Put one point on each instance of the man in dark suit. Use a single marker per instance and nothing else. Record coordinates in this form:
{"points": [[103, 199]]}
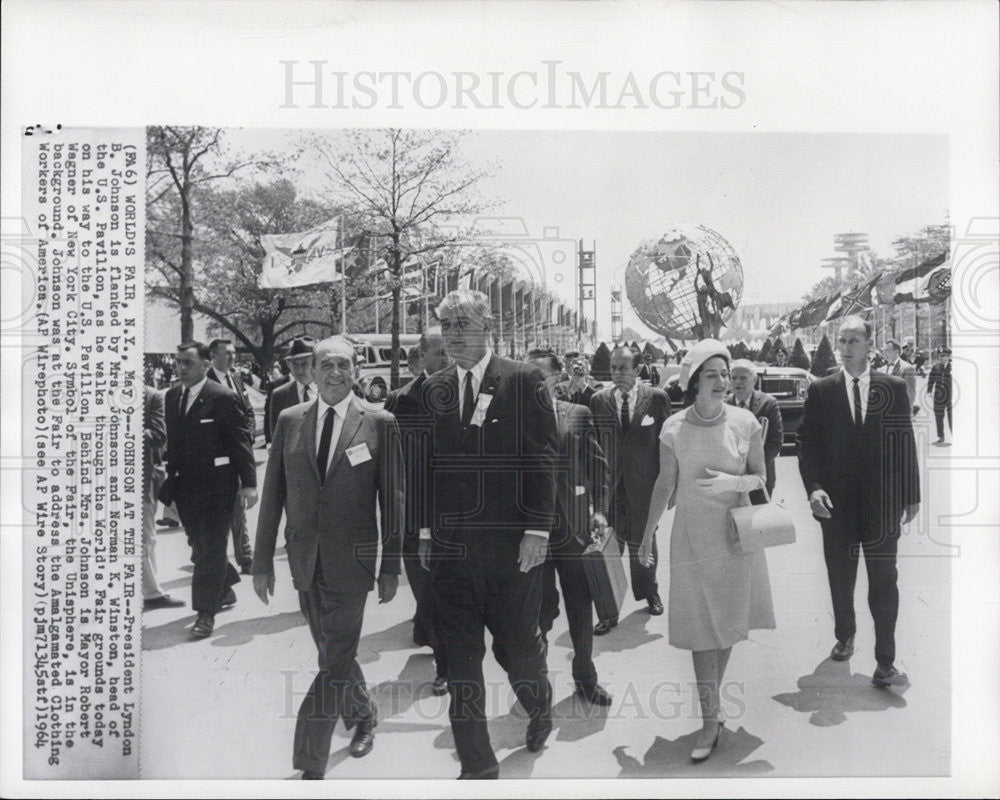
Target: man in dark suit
{"points": [[223, 355], [406, 404], [154, 436], [743, 376], [492, 467], [300, 388], [629, 416], [209, 466], [901, 368], [648, 371], [939, 385], [335, 469], [858, 461], [581, 504]]}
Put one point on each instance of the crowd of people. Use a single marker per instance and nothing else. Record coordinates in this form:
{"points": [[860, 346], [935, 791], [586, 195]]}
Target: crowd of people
{"points": [[485, 478]]}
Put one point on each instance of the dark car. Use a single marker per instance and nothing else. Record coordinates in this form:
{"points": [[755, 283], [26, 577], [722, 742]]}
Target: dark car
{"points": [[787, 385]]}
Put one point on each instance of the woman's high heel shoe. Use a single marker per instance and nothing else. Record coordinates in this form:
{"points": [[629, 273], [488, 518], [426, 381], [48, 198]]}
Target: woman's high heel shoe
{"points": [[703, 751]]}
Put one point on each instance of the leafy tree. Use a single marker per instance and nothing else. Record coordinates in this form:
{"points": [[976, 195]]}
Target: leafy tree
{"points": [[765, 352], [824, 358], [775, 347], [181, 161], [403, 187], [799, 358]]}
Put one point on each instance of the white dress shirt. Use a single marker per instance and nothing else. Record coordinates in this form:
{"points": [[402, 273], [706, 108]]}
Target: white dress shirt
{"points": [[633, 397], [339, 412], [864, 383], [193, 393], [477, 376]]}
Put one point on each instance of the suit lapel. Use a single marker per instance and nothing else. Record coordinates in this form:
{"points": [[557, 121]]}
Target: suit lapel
{"points": [[350, 427], [491, 377], [841, 402]]}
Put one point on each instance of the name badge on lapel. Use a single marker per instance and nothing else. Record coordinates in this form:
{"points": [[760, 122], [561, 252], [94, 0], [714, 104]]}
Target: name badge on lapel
{"points": [[646, 421], [222, 461], [358, 454], [483, 403]]}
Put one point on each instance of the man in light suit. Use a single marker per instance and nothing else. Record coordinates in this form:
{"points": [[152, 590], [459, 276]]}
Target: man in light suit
{"points": [[406, 404], [223, 355], [335, 465], [581, 504], [492, 467], [629, 415], [899, 367], [743, 375], [300, 388], [210, 467], [858, 461]]}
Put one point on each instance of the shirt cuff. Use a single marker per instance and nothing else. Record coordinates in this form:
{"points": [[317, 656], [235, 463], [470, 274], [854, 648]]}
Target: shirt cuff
{"points": [[543, 534], [425, 534]]}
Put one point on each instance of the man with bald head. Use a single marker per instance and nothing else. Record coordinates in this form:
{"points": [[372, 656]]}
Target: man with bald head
{"points": [[743, 377], [406, 404], [491, 463], [335, 469], [858, 461]]}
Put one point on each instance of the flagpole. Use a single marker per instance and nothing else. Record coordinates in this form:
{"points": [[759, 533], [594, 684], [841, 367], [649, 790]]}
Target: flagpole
{"points": [[378, 313], [343, 278]]}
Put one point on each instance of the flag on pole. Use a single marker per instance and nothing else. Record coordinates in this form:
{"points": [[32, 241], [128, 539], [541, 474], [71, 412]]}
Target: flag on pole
{"points": [[937, 288], [909, 282], [305, 258], [854, 301], [779, 327], [834, 310]]}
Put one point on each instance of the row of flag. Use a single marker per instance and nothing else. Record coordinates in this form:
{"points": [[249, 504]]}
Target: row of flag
{"points": [[926, 282]]}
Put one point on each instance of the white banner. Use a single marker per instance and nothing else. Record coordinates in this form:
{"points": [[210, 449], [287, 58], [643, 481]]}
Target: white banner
{"points": [[301, 259]]}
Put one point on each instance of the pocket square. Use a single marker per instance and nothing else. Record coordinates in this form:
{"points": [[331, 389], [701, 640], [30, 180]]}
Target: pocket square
{"points": [[647, 420], [205, 421]]}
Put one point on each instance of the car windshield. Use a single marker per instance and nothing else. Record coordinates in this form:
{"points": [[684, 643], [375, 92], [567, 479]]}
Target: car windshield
{"points": [[781, 387]]}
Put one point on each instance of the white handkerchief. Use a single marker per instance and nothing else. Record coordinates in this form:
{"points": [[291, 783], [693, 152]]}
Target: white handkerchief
{"points": [[221, 461], [647, 420], [206, 421], [358, 454], [581, 490]]}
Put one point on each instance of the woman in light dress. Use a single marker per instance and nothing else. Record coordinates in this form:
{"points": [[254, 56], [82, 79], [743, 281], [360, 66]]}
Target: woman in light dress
{"points": [[711, 456]]}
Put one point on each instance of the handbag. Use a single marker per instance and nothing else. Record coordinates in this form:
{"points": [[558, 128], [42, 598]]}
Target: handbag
{"points": [[752, 528], [605, 573]]}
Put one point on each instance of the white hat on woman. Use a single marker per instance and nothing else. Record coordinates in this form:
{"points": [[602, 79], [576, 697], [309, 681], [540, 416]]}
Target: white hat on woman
{"points": [[698, 355]]}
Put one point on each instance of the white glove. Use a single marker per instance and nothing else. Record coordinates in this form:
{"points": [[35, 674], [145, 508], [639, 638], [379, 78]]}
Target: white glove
{"points": [[722, 482]]}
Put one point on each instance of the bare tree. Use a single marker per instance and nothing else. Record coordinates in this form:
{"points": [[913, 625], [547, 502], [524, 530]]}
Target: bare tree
{"points": [[409, 191]]}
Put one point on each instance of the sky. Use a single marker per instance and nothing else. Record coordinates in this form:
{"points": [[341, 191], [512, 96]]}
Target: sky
{"points": [[778, 199]]}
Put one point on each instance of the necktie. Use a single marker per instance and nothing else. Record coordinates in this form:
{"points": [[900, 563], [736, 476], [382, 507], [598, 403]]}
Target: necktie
{"points": [[305, 394], [184, 401], [324, 444], [467, 400], [742, 404], [858, 421], [229, 382], [625, 419]]}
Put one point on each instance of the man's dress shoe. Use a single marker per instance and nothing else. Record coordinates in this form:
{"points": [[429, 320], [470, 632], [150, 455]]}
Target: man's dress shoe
{"points": [[488, 774], [364, 739], [228, 599], [843, 650], [203, 626], [163, 601], [538, 731], [605, 626], [889, 676], [309, 775], [596, 694], [440, 686], [655, 605]]}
